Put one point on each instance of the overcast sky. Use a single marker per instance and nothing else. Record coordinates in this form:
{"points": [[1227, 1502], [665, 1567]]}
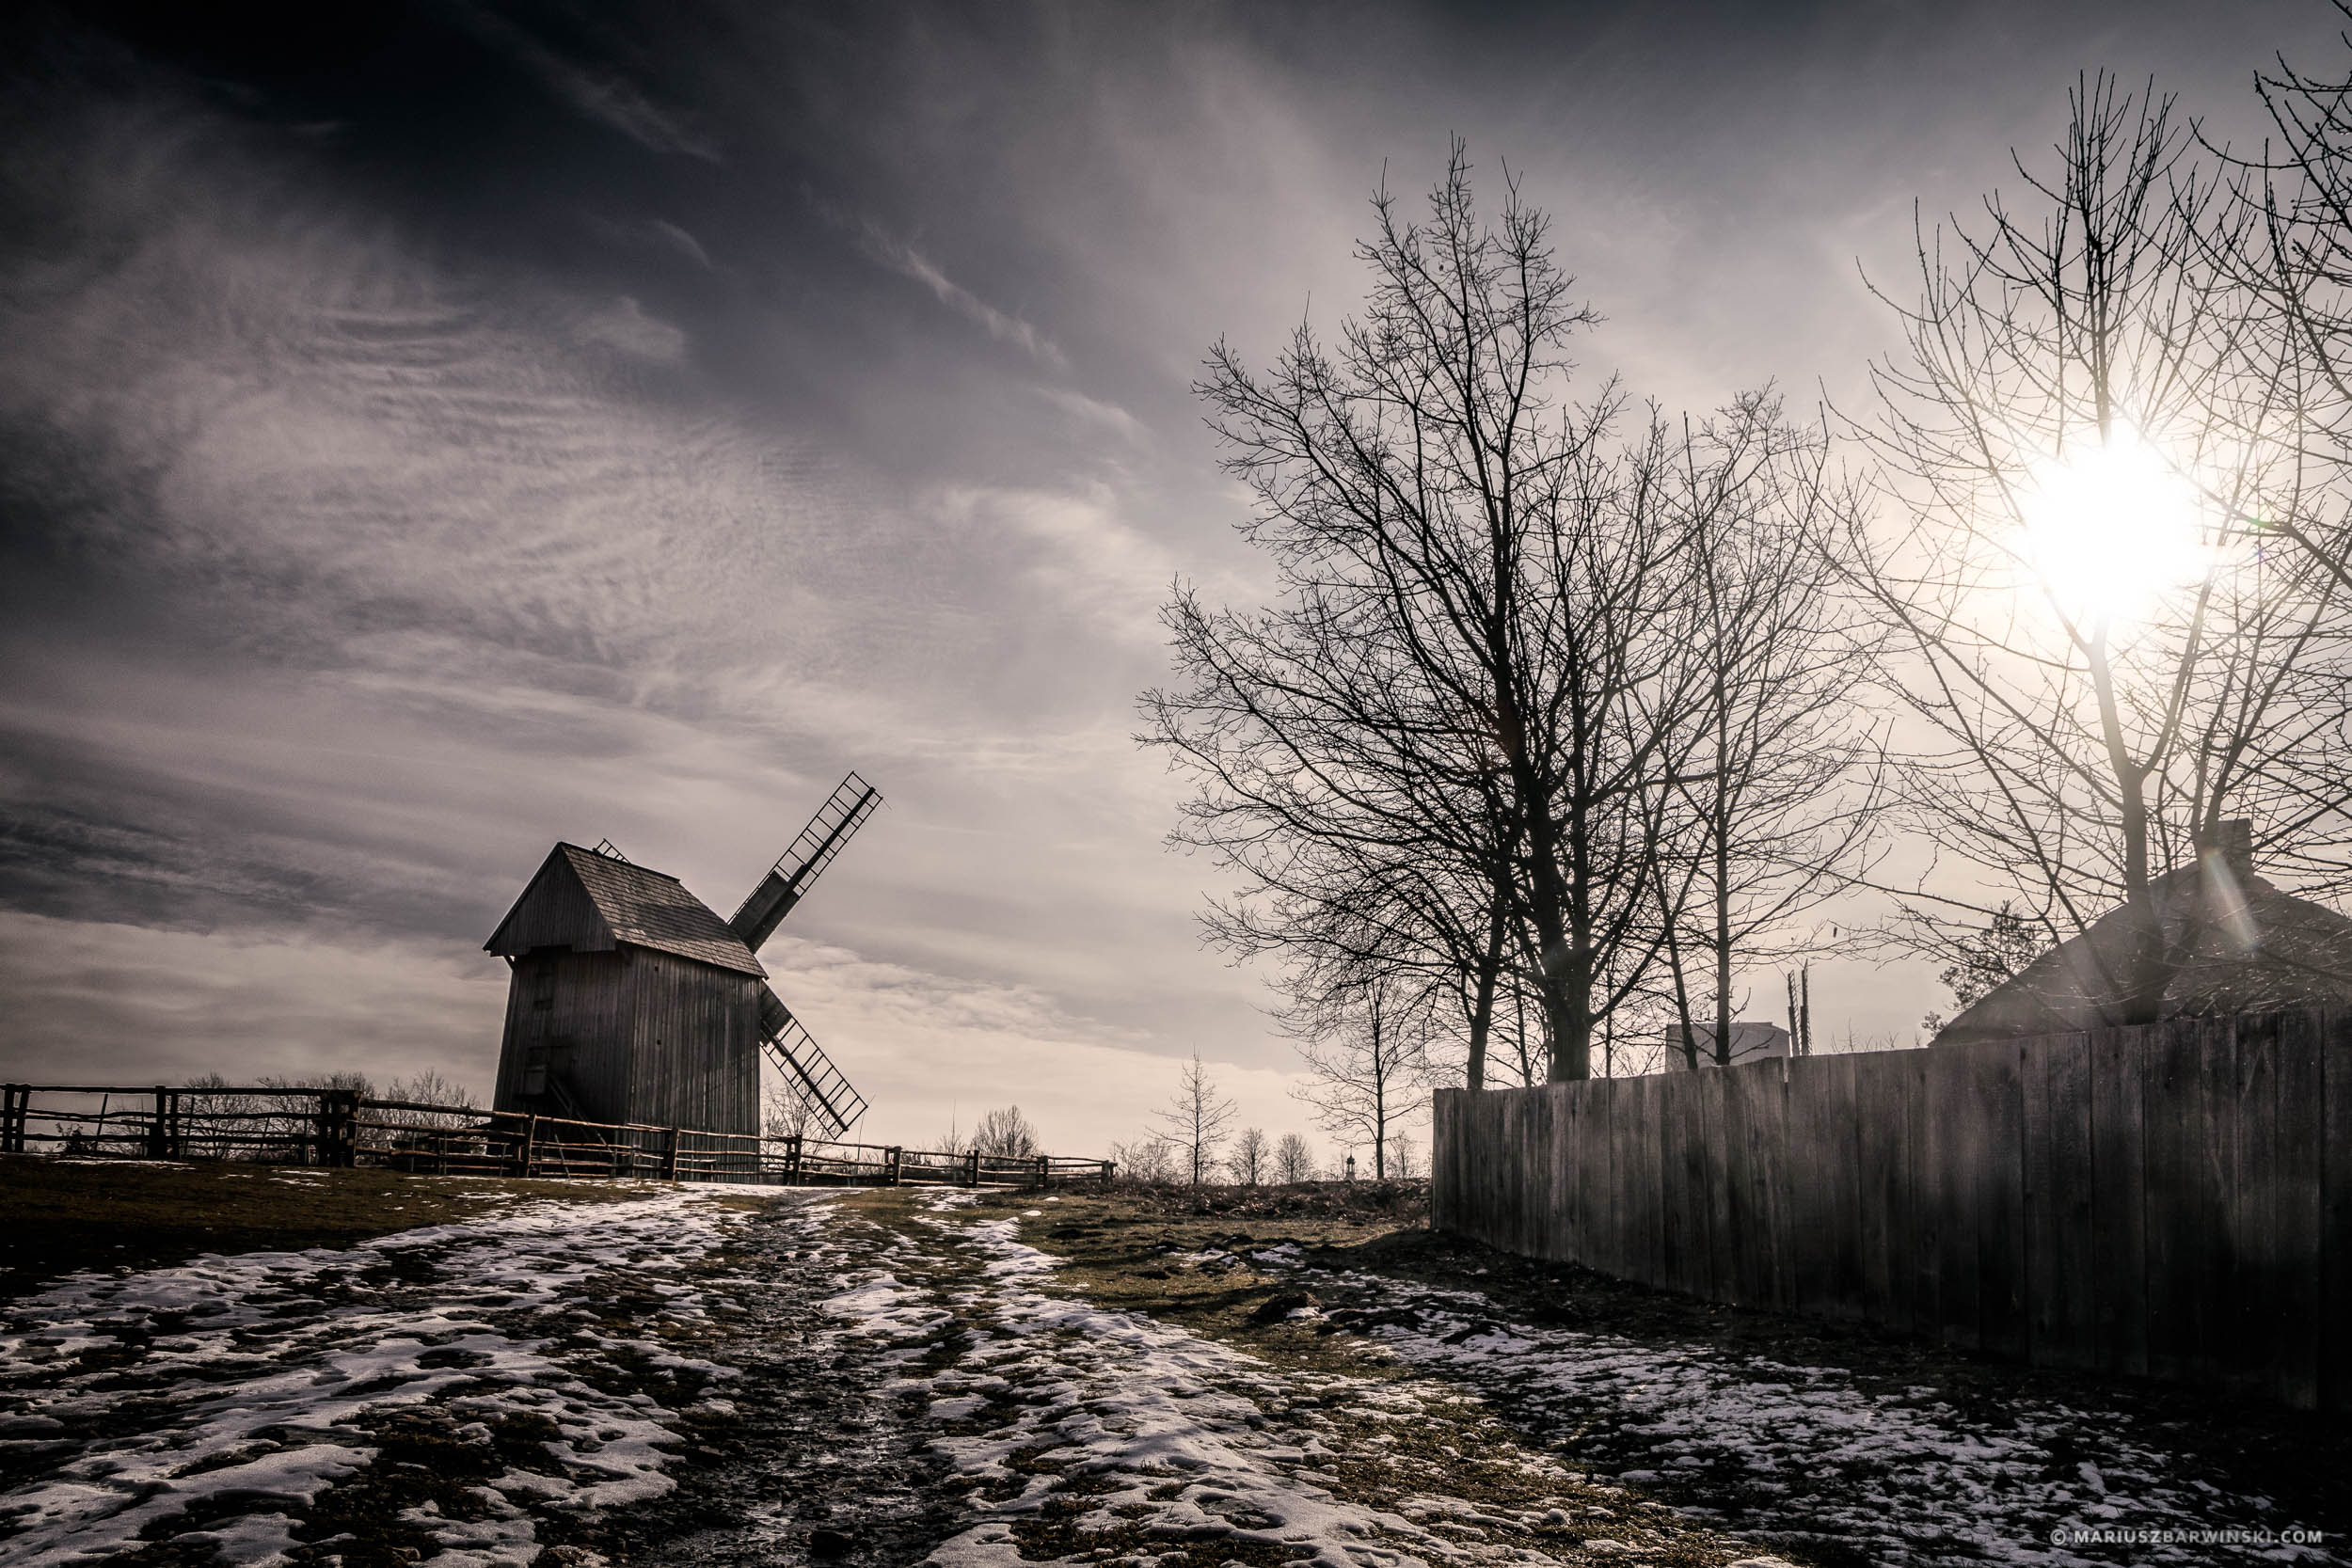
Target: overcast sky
{"points": [[429, 439]]}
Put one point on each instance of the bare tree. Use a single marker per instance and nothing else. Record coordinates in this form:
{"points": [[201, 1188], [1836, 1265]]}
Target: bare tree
{"points": [[1006, 1133], [1196, 1120], [1445, 740], [1404, 1161], [2109, 661], [1775, 806], [1149, 1160], [1292, 1160], [1365, 1049], [1252, 1157], [790, 1109]]}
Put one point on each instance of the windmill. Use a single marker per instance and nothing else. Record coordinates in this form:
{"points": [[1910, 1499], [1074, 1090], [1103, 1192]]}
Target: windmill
{"points": [[631, 1001]]}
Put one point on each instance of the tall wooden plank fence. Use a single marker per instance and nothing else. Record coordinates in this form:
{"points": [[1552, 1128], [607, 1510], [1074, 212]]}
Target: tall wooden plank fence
{"points": [[2172, 1201]]}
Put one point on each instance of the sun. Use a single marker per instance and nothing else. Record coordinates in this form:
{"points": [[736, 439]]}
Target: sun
{"points": [[2111, 529]]}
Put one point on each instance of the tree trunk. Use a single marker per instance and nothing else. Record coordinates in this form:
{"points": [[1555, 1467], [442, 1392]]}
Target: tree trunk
{"points": [[1483, 1009]]}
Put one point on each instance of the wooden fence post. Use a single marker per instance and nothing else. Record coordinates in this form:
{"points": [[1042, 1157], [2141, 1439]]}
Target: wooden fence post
{"points": [[12, 1098], [338, 1139], [669, 1158], [890, 1166], [158, 1140], [792, 1160], [531, 1143], [1045, 1172], [973, 1180], [1107, 1169]]}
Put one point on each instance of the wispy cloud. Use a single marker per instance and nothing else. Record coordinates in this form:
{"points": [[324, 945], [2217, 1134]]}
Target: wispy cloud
{"points": [[600, 93], [1005, 327]]}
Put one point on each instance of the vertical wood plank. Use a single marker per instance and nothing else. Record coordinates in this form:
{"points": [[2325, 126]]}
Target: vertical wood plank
{"points": [[1644, 1186], [2299, 1155], [2252, 1340], [2065, 1331], [2173, 1124], [1880, 1129], [2118, 1060], [1740, 1219], [2335, 1242], [2217, 1357], [1810, 1182], [1713, 1196], [1999, 1091], [1957, 1139]]}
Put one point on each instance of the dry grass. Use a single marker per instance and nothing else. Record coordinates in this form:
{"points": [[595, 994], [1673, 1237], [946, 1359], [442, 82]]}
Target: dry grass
{"points": [[65, 1215]]}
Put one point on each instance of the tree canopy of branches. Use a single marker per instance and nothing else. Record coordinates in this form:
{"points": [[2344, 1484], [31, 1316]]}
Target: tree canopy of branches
{"points": [[1253, 1157], [1006, 1133], [1449, 754], [2108, 659], [1292, 1160]]}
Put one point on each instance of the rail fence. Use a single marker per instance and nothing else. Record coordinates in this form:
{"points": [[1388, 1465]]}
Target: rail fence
{"points": [[2172, 1201], [342, 1127]]}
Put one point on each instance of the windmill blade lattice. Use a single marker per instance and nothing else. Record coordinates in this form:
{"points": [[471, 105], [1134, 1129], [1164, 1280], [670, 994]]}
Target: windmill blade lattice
{"points": [[803, 1063], [841, 816]]}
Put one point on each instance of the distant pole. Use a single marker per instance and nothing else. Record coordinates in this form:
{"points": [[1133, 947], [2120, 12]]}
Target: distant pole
{"points": [[1804, 1011]]}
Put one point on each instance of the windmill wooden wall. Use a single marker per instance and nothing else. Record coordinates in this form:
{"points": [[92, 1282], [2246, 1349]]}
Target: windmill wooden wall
{"points": [[638, 1036], [630, 994]]}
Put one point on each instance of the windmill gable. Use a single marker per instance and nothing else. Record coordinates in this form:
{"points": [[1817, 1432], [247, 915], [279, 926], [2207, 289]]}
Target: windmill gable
{"points": [[590, 902]]}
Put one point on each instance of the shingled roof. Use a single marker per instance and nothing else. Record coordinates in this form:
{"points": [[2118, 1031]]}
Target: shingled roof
{"points": [[2256, 950], [591, 902]]}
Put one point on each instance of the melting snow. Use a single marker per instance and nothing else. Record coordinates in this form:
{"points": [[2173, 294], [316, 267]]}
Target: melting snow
{"points": [[236, 1388]]}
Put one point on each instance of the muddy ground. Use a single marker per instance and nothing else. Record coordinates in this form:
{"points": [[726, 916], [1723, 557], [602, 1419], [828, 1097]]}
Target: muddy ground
{"points": [[1133, 1377]]}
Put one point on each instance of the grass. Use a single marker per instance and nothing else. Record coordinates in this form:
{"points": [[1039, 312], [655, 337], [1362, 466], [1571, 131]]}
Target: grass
{"points": [[67, 1216]]}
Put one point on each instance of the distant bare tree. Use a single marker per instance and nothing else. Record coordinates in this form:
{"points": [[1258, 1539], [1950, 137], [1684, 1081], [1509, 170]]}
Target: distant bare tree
{"points": [[428, 1088], [1404, 1162], [790, 1109], [1006, 1133], [1196, 1120], [1292, 1160], [1365, 1051], [1149, 1160], [955, 1140], [1250, 1156]]}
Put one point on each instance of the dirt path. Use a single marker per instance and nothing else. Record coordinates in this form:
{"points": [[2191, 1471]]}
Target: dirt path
{"points": [[883, 1379]]}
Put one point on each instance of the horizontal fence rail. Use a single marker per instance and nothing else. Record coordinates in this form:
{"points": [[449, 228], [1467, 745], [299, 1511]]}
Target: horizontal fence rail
{"points": [[342, 1127], [2174, 1200]]}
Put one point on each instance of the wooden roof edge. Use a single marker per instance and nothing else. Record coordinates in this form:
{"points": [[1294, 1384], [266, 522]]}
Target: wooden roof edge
{"points": [[555, 857]]}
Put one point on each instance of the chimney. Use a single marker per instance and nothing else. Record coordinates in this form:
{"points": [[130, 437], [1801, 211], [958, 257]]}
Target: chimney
{"points": [[2233, 841]]}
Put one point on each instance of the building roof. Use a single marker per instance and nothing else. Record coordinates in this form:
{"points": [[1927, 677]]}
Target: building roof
{"points": [[2253, 949], [593, 902], [1750, 1042]]}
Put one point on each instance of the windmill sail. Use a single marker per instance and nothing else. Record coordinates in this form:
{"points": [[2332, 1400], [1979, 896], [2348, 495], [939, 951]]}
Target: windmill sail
{"points": [[833, 1104], [797, 867]]}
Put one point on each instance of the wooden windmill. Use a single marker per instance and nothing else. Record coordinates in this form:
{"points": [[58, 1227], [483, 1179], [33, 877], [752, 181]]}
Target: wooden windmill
{"points": [[631, 1001]]}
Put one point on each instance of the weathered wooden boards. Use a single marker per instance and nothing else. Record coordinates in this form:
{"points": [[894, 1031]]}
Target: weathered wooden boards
{"points": [[2174, 1200]]}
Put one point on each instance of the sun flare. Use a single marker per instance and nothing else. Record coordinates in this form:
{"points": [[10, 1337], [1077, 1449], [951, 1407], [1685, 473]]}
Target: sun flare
{"points": [[2111, 528]]}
